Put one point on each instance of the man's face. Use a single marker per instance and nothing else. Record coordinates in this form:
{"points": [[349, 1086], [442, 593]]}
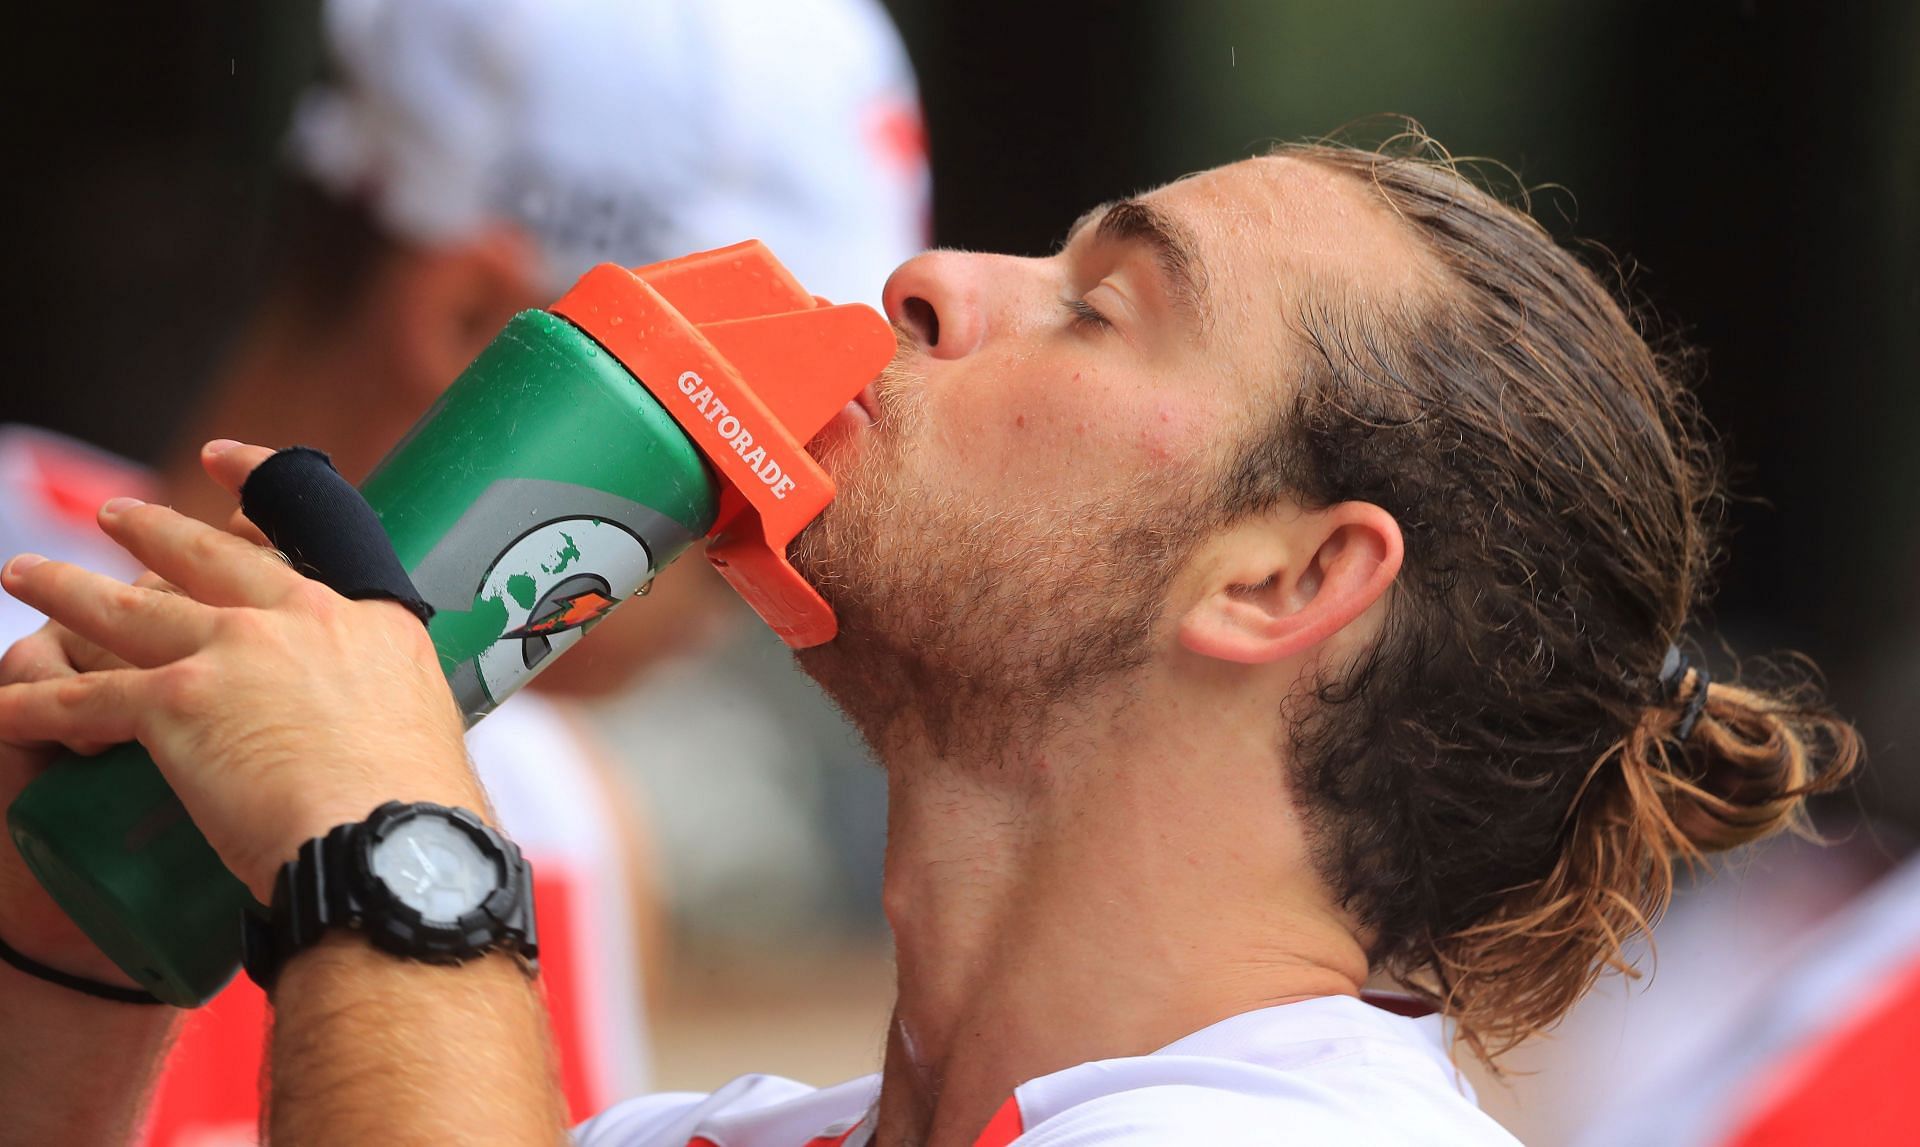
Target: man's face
{"points": [[1051, 435]]}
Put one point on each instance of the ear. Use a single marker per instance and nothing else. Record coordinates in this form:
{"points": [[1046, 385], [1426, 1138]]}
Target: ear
{"points": [[1284, 583], [447, 302]]}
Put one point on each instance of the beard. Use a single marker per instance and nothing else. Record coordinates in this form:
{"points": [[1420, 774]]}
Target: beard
{"points": [[972, 625]]}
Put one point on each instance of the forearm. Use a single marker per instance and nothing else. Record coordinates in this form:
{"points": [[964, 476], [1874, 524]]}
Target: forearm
{"points": [[369, 1048], [76, 1071]]}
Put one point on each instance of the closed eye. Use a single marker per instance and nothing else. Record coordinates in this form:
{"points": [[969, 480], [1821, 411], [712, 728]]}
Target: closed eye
{"points": [[1086, 315]]}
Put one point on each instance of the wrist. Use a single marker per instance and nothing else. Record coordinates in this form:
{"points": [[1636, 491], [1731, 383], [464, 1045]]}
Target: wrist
{"points": [[347, 954], [78, 1069], [319, 814], [36, 927], [424, 881]]}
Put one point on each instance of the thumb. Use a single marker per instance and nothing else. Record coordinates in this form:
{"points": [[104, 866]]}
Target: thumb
{"points": [[228, 462]]}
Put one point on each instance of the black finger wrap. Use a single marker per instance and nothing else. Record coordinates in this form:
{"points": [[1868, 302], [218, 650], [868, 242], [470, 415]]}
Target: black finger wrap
{"points": [[326, 529]]}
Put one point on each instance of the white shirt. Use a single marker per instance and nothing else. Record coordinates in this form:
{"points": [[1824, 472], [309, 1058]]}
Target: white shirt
{"points": [[1331, 1071]]}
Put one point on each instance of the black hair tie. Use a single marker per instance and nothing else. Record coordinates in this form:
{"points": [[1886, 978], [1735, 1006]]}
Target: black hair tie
{"points": [[21, 962], [1673, 675]]}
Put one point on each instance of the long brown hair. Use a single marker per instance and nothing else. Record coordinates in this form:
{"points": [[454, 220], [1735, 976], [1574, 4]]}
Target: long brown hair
{"points": [[1497, 788]]}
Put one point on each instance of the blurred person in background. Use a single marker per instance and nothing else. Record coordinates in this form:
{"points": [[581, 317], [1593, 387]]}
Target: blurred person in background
{"points": [[1766, 964], [468, 161], [1774, 1004], [1208, 589], [1820, 1043]]}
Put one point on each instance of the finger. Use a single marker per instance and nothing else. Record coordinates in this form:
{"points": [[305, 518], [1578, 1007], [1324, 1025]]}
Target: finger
{"points": [[51, 652], [81, 655], [147, 627], [40, 656], [78, 655], [85, 709], [211, 565], [241, 526], [150, 580], [36, 657], [229, 463]]}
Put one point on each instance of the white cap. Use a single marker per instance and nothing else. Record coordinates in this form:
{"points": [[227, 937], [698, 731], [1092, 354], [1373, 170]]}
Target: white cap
{"points": [[630, 131]]}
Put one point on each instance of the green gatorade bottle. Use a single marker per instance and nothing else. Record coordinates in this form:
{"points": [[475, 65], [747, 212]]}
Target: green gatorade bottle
{"points": [[587, 447]]}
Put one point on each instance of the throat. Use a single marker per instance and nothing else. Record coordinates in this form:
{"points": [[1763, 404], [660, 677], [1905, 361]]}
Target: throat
{"points": [[1041, 926]]}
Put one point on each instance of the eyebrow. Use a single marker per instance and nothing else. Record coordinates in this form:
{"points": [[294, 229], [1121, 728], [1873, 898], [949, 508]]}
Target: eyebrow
{"points": [[1173, 247]]}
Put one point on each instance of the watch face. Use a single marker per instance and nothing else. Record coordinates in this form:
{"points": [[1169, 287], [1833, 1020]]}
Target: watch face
{"points": [[434, 869]]}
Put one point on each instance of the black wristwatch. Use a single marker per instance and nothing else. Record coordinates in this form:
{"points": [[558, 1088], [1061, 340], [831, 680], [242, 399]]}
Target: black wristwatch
{"points": [[423, 881]]}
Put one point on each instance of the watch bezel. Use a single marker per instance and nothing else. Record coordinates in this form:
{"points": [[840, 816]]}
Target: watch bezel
{"points": [[399, 927]]}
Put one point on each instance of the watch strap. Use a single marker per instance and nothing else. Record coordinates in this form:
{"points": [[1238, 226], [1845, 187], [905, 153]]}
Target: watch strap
{"points": [[327, 886], [310, 895]]}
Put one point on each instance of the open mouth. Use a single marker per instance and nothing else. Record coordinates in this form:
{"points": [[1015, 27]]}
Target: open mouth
{"points": [[866, 400]]}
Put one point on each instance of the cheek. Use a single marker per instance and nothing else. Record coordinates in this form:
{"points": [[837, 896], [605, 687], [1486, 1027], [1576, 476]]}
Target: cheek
{"points": [[1058, 422], [1170, 432], [1083, 429]]}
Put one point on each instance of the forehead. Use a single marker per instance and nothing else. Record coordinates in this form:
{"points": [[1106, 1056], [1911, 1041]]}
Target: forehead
{"points": [[1272, 229]]}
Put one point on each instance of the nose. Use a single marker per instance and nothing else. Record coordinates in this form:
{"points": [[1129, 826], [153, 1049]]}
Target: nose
{"points": [[936, 299]]}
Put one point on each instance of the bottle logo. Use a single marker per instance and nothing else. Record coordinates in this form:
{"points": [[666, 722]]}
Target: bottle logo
{"points": [[735, 434], [554, 582]]}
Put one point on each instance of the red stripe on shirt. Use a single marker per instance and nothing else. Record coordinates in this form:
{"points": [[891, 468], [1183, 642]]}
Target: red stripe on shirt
{"points": [[1004, 1127]]}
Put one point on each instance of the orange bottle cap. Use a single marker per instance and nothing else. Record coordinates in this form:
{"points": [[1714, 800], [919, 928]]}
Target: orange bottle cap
{"points": [[752, 367]]}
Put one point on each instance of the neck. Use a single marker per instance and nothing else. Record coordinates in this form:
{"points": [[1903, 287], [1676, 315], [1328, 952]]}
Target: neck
{"points": [[1086, 898], [284, 384]]}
